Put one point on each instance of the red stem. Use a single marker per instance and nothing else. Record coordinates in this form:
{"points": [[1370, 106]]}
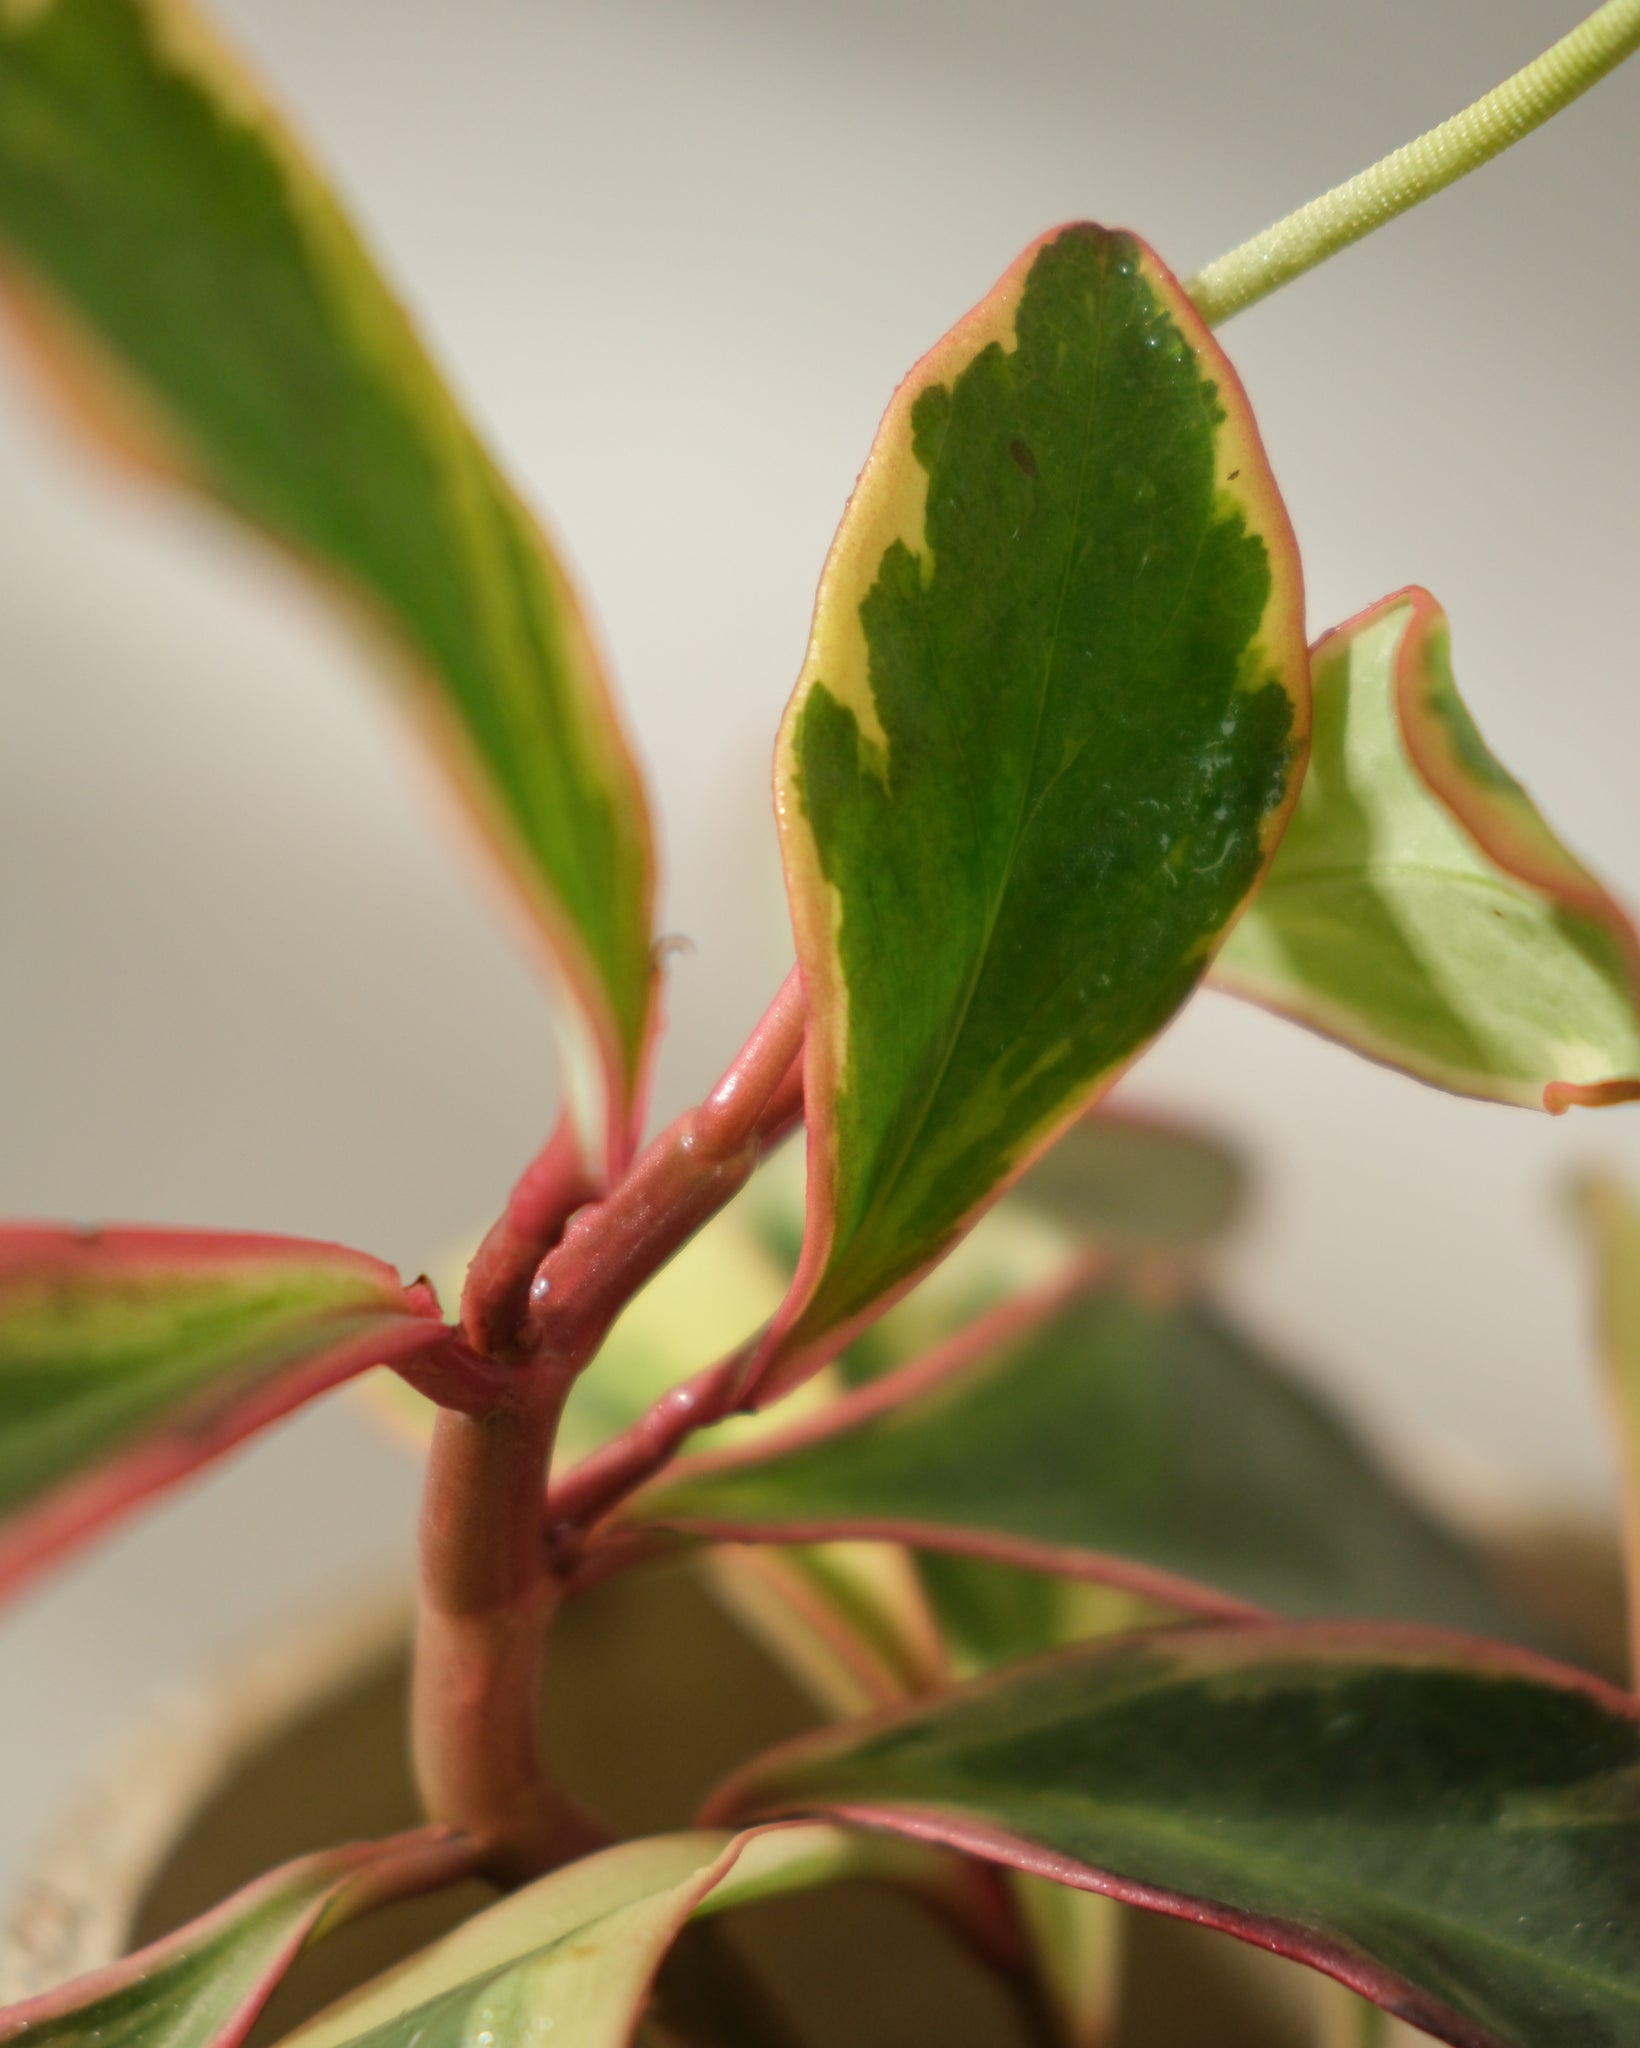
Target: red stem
{"points": [[735, 1109], [602, 1481], [485, 1604], [551, 1188], [488, 1584], [605, 1479], [610, 1248]]}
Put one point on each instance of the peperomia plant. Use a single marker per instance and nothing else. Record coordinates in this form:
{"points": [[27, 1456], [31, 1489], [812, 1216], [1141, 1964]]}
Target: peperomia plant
{"points": [[1093, 1593]]}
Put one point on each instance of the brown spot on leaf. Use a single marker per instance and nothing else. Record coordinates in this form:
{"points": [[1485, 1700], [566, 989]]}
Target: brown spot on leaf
{"points": [[1023, 459]]}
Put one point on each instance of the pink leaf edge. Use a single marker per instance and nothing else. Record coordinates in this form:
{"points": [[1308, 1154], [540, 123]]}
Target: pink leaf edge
{"points": [[736, 1798]]}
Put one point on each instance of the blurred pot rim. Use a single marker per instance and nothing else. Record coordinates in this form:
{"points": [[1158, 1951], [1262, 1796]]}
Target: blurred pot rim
{"points": [[84, 1885]]}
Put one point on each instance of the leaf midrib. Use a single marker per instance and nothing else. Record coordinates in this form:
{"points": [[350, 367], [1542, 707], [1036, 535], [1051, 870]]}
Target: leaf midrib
{"points": [[889, 1183]]}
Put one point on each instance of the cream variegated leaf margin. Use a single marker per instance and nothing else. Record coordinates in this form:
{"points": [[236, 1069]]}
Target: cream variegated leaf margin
{"points": [[129, 1358], [1419, 909], [572, 1957], [181, 272], [1045, 735]]}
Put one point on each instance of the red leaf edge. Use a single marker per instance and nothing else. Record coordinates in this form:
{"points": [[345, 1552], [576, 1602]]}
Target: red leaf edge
{"points": [[108, 408], [30, 1247], [1336, 1959], [408, 1331], [1098, 1567], [772, 1369], [969, 1350], [1564, 880], [475, 819], [1548, 868], [736, 1797], [368, 1874]]}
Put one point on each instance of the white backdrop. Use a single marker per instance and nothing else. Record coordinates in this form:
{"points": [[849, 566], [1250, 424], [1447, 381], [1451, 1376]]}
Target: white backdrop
{"points": [[676, 253]]}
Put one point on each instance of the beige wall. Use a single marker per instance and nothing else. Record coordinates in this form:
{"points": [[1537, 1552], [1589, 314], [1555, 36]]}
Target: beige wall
{"points": [[677, 252]]}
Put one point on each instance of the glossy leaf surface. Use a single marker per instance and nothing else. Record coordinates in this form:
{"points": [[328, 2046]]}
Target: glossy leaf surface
{"points": [[128, 1358], [195, 290], [203, 1986], [1120, 1436], [1449, 1827], [572, 1957], [1044, 738], [1419, 909]]}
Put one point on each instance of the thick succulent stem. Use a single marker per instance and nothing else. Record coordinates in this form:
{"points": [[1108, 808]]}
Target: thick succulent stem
{"points": [[489, 1584], [1419, 169], [486, 1600]]}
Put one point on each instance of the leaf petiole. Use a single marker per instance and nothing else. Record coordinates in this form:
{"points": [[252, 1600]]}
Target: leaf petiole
{"points": [[1419, 169]]}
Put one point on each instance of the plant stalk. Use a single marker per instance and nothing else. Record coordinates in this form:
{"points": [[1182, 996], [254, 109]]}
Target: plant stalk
{"points": [[489, 1584], [486, 1601], [602, 1480], [1420, 169], [610, 1248], [549, 1191]]}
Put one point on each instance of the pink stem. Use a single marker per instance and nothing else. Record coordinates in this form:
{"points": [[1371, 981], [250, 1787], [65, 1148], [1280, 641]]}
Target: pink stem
{"points": [[554, 1184], [610, 1248], [732, 1113], [486, 1600], [602, 1481], [488, 1584]]}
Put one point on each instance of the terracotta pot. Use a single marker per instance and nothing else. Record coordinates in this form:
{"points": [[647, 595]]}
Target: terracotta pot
{"points": [[654, 1693]]}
